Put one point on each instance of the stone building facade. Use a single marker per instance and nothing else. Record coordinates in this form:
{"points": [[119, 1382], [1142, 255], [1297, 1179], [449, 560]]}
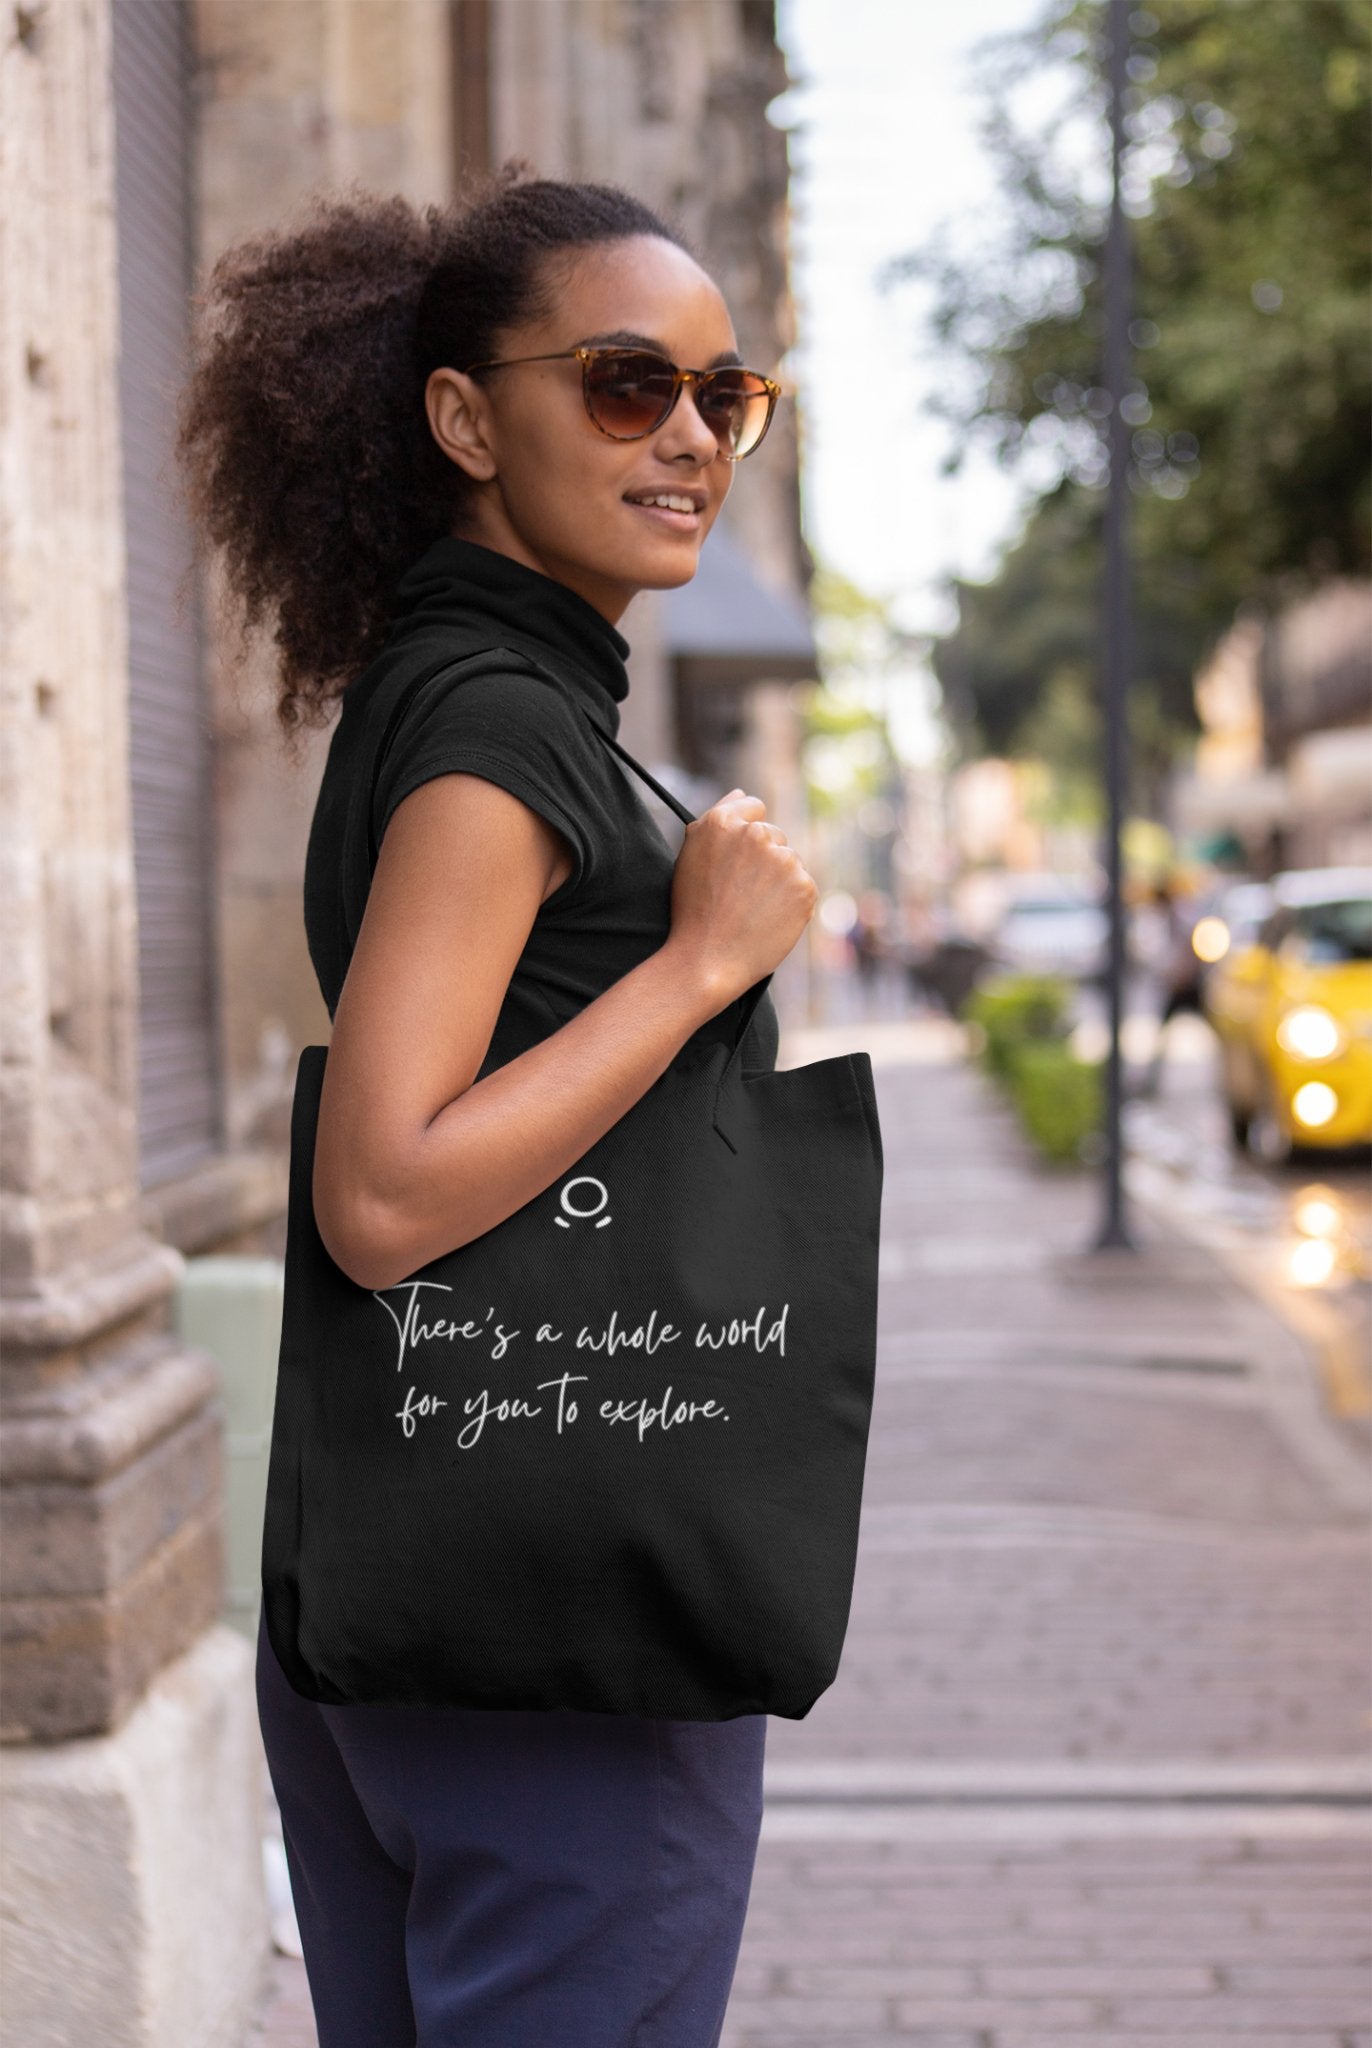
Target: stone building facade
{"points": [[1282, 771], [155, 975]]}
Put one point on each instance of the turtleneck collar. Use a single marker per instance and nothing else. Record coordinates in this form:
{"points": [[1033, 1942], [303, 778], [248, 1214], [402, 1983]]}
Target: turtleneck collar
{"points": [[462, 582]]}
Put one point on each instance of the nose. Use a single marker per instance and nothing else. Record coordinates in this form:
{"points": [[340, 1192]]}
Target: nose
{"points": [[685, 428]]}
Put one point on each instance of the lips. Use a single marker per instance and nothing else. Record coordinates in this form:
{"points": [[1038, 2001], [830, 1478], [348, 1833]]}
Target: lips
{"points": [[689, 525], [698, 499]]}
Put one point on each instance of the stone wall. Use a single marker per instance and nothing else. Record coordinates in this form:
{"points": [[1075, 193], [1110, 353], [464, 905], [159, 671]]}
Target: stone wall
{"points": [[110, 1431]]}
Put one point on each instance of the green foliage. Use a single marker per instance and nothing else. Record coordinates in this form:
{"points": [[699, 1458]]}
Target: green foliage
{"points": [[1246, 176], [1253, 266], [847, 754], [846, 746], [830, 717], [1063, 732], [1059, 1099], [1020, 672], [855, 629], [1023, 1028], [1013, 1010]]}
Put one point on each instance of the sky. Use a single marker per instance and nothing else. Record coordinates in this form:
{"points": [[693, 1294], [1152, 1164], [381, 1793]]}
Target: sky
{"points": [[886, 152]]}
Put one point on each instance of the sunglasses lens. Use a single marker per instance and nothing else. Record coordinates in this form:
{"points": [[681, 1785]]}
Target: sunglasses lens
{"points": [[630, 393], [737, 405]]}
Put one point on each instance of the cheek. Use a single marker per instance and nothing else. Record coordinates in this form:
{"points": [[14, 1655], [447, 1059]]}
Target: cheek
{"points": [[561, 467]]}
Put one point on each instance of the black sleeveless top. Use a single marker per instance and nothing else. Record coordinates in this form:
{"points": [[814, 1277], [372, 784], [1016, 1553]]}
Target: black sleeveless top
{"points": [[520, 731]]}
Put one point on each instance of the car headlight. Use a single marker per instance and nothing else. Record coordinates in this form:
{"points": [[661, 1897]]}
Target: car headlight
{"points": [[1310, 1032], [1314, 1104]]}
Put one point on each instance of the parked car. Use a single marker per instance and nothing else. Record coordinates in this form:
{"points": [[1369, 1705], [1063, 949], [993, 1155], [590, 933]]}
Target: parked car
{"points": [[1053, 924], [1292, 1007], [1230, 921]]}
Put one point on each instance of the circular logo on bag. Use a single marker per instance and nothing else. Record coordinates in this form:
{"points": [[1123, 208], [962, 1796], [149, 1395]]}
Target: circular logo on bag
{"points": [[570, 1210]]}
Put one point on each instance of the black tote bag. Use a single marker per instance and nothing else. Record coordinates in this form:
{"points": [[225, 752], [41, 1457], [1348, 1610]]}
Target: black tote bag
{"points": [[609, 1455]]}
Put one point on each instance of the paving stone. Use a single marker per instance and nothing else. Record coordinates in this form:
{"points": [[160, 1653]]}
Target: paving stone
{"points": [[1307, 2009], [1217, 2034]]}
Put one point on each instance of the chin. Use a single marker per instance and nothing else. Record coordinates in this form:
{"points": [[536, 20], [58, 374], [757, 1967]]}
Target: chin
{"points": [[671, 563], [671, 576]]}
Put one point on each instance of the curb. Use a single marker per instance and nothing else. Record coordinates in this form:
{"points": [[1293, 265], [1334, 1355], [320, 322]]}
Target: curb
{"points": [[1345, 1375]]}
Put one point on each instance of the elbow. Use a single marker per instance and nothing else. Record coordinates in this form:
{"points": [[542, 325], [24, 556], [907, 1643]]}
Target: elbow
{"points": [[361, 1236]]}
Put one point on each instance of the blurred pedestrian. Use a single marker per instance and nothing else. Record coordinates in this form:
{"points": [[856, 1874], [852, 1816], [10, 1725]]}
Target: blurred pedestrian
{"points": [[867, 934], [1177, 971], [359, 446]]}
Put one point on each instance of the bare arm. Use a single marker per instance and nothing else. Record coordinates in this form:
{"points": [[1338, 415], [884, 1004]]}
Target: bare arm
{"points": [[414, 1156]]}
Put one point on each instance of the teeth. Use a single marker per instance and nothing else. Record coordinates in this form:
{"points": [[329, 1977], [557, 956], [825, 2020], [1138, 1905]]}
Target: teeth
{"points": [[673, 504]]}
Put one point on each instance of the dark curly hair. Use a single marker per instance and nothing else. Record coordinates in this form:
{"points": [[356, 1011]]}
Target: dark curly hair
{"points": [[302, 437]]}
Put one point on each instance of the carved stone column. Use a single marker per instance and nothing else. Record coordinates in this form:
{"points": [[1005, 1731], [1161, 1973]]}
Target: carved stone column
{"points": [[131, 1783]]}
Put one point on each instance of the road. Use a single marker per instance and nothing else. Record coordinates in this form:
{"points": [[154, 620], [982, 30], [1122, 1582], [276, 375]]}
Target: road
{"points": [[1300, 1234]]}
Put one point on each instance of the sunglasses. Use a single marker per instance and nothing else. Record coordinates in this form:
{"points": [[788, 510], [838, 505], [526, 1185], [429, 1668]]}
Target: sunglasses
{"points": [[629, 392]]}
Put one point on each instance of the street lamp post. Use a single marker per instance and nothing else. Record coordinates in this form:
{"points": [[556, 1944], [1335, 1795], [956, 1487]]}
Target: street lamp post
{"points": [[1115, 620]]}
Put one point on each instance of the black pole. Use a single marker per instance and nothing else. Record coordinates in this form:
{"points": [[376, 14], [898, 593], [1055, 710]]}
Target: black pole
{"points": [[1115, 621]]}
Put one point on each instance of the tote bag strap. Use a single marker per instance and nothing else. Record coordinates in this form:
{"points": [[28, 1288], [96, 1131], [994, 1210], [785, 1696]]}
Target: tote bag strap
{"points": [[487, 658]]}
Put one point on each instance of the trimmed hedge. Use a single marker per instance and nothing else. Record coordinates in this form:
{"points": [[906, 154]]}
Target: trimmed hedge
{"points": [[1023, 1030]]}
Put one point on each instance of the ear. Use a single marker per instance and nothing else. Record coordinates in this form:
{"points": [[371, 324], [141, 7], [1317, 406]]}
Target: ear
{"points": [[460, 422]]}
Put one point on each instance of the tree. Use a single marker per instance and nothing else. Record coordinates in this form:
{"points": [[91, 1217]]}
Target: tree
{"points": [[1019, 671], [846, 745], [1250, 128]]}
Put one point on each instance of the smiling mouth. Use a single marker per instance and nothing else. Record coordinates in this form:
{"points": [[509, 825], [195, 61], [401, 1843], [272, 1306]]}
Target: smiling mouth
{"points": [[684, 522]]}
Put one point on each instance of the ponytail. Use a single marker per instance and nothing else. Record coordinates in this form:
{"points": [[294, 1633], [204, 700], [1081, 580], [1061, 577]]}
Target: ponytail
{"points": [[304, 445]]}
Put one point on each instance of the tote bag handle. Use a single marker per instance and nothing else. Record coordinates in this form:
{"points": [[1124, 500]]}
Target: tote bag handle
{"points": [[751, 997]]}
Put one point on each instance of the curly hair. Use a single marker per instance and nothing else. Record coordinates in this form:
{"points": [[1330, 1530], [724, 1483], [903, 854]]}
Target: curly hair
{"points": [[301, 434]]}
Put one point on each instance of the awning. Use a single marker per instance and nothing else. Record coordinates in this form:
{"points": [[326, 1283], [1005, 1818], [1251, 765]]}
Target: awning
{"points": [[727, 626]]}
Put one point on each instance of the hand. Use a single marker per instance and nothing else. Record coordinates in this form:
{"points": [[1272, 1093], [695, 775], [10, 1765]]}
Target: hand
{"points": [[741, 896]]}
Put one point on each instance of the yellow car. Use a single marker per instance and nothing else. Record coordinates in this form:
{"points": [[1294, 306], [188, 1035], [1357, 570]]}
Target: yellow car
{"points": [[1292, 1008]]}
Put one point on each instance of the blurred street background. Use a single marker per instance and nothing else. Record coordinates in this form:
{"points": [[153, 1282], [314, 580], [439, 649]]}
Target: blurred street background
{"points": [[1097, 1768]]}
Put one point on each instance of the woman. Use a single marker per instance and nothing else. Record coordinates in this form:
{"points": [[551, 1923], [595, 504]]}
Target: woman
{"points": [[389, 436]]}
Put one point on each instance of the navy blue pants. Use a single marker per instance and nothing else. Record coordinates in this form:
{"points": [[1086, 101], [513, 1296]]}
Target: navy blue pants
{"points": [[466, 1878]]}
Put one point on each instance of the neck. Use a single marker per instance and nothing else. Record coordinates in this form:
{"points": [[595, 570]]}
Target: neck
{"points": [[607, 595]]}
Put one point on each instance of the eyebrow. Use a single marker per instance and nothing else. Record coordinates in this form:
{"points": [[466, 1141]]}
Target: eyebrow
{"points": [[727, 358]]}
